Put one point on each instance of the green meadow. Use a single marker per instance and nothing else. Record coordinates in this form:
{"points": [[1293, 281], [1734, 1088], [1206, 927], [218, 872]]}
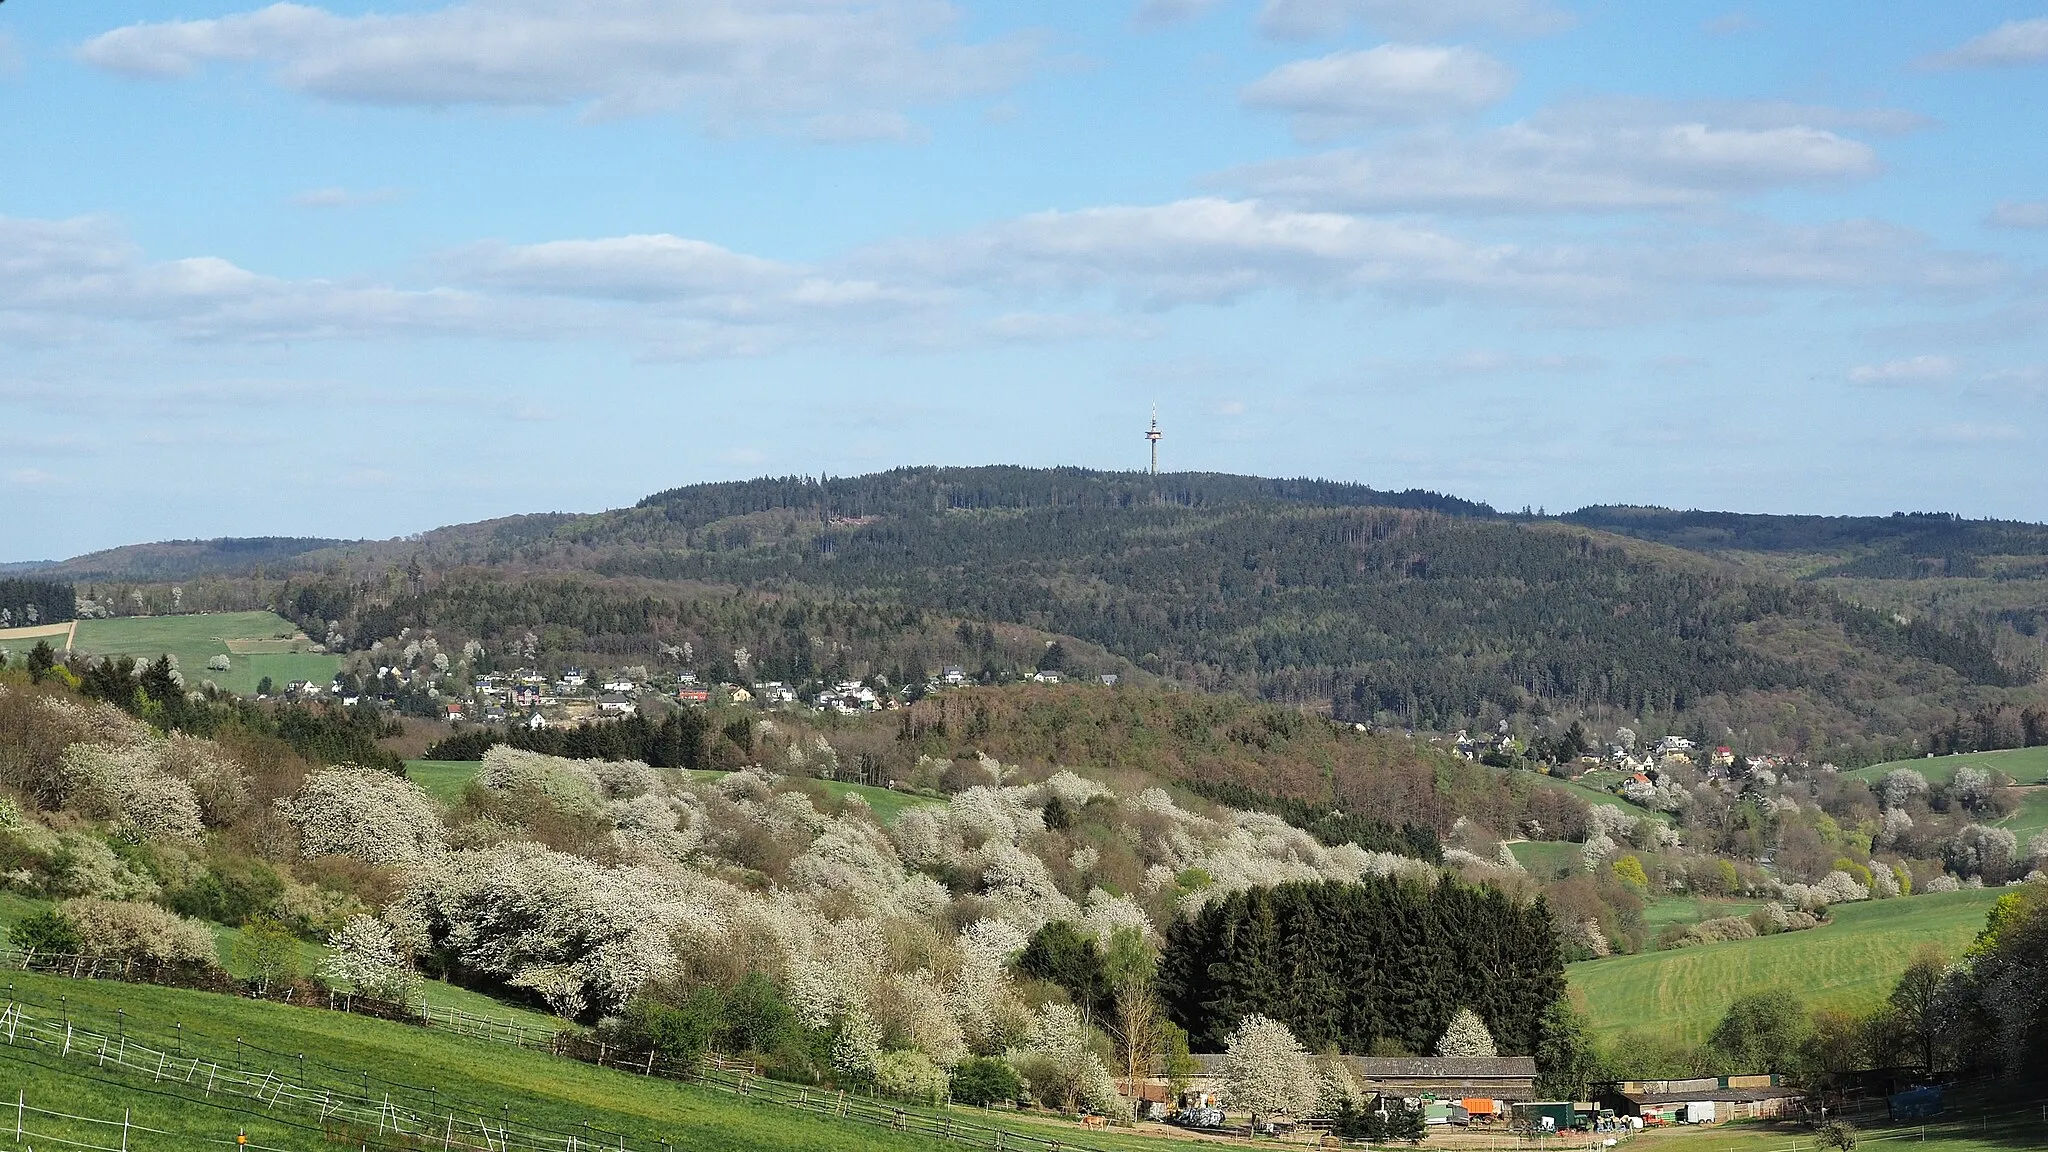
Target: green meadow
{"points": [[1848, 963], [196, 639]]}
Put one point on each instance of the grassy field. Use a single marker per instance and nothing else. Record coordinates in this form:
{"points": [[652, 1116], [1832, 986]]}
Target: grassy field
{"points": [[444, 780], [1593, 795], [2025, 765], [2032, 816], [1692, 910], [196, 639], [1548, 858], [1849, 963], [435, 993], [417, 1066]]}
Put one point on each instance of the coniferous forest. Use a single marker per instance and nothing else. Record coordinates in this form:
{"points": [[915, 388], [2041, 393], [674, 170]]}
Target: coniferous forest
{"points": [[1382, 963]]}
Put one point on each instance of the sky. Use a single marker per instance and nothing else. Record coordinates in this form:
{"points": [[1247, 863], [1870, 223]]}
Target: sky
{"points": [[359, 270]]}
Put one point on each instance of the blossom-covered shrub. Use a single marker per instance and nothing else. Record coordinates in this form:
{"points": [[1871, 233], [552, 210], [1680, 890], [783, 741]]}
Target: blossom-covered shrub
{"points": [[364, 956], [138, 932], [910, 1075], [371, 815]]}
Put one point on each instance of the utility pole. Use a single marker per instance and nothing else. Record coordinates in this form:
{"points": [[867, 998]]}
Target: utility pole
{"points": [[1154, 436]]}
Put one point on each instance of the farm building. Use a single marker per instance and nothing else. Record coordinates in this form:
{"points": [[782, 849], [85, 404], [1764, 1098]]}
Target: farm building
{"points": [[1452, 1079], [1706, 1099]]}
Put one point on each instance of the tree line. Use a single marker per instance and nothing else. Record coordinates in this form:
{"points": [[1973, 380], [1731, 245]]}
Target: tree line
{"points": [[1377, 965], [24, 603]]}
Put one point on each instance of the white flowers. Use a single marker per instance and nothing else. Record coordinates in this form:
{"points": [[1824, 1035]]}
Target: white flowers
{"points": [[371, 815], [138, 931], [365, 957], [1266, 1071], [1466, 1036]]}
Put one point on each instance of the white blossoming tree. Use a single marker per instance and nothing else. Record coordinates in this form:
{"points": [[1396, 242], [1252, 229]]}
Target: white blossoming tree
{"points": [[1466, 1036], [366, 958], [365, 813], [1266, 1071]]}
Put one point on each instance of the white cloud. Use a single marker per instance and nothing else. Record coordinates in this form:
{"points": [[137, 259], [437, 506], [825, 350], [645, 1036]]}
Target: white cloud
{"points": [[1210, 250], [1582, 158], [61, 278], [2019, 214], [830, 68], [1393, 83], [1160, 13], [2014, 42], [1306, 19], [1916, 371], [344, 198]]}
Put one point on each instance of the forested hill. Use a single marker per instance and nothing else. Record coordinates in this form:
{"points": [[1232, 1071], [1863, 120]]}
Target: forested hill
{"points": [[914, 491], [1407, 608], [1903, 545]]}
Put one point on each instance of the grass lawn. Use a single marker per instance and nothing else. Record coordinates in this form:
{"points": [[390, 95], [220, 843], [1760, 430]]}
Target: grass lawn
{"points": [[2031, 818], [1593, 795], [196, 639], [444, 780], [1692, 910], [2026, 765], [423, 1069], [1548, 858], [1849, 963]]}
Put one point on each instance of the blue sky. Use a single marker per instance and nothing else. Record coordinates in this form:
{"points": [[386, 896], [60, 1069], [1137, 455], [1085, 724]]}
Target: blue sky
{"points": [[364, 269]]}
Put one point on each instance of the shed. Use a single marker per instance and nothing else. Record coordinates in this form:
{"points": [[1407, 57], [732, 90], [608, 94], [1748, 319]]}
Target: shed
{"points": [[1543, 1116]]}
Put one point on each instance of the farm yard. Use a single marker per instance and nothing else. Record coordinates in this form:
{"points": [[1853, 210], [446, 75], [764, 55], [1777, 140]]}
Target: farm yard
{"points": [[257, 644], [1849, 963]]}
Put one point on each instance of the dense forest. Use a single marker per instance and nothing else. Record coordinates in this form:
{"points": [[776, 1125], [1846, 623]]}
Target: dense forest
{"points": [[29, 602], [1373, 966]]}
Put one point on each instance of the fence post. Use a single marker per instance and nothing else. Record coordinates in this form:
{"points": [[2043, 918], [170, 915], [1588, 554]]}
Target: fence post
{"points": [[124, 1130], [20, 1107]]}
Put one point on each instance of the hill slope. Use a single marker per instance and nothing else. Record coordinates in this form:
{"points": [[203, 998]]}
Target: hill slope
{"points": [[1408, 608], [1850, 963]]}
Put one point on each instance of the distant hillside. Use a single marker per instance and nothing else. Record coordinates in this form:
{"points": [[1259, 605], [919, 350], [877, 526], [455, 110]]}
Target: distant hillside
{"points": [[184, 559], [1904, 545], [1408, 608]]}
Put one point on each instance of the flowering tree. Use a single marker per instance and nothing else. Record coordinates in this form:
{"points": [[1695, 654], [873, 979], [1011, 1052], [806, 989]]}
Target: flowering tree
{"points": [[366, 958], [1899, 786], [1266, 1071], [1466, 1036], [366, 813]]}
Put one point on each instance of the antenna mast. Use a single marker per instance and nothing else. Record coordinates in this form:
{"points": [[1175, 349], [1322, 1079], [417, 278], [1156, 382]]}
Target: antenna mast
{"points": [[1154, 436]]}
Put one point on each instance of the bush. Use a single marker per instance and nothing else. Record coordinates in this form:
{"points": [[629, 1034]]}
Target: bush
{"points": [[910, 1075], [45, 932], [985, 1080], [139, 932], [366, 813], [680, 1035], [1399, 1123]]}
